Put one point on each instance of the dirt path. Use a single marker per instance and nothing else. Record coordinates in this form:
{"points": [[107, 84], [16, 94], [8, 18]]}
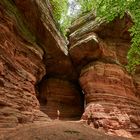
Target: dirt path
{"points": [[56, 130]]}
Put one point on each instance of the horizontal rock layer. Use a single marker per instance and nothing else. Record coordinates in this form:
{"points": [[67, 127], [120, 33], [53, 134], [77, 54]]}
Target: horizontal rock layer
{"points": [[98, 50], [38, 14], [21, 66], [109, 86], [136, 78], [61, 99], [110, 98], [97, 40]]}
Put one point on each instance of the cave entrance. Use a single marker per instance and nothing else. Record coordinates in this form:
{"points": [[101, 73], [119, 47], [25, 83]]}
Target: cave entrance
{"points": [[60, 99]]}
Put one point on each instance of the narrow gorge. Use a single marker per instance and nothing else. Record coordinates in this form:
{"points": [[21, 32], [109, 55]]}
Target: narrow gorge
{"points": [[58, 89]]}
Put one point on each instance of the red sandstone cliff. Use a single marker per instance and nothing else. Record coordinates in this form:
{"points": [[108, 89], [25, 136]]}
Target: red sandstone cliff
{"points": [[21, 67], [38, 78], [98, 50], [31, 47]]}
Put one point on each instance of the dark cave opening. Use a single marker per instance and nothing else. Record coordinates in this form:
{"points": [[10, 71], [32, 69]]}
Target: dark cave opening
{"points": [[60, 98]]}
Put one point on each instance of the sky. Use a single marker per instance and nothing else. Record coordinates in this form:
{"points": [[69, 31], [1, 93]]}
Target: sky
{"points": [[74, 7]]}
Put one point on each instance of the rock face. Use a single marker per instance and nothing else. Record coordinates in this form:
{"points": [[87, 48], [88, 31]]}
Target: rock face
{"points": [[21, 66], [30, 47], [109, 94], [98, 50], [56, 59], [39, 76], [136, 77], [98, 40], [63, 96], [40, 21]]}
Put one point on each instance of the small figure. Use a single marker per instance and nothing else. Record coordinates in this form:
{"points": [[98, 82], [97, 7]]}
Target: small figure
{"points": [[58, 114]]}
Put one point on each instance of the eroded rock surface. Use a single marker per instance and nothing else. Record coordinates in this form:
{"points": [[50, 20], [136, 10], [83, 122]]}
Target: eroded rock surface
{"points": [[21, 66], [98, 50], [63, 96], [96, 40], [136, 77], [57, 130], [40, 21], [110, 97], [32, 49]]}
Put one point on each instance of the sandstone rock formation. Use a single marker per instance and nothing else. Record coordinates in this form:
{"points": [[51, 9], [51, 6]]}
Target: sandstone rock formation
{"points": [[99, 40], [21, 67], [39, 75], [40, 21], [56, 59], [31, 46], [110, 98], [98, 50], [136, 77], [63, 96]]}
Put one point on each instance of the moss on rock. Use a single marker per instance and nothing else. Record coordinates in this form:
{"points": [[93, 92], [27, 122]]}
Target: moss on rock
{"points": [[21, 24]]}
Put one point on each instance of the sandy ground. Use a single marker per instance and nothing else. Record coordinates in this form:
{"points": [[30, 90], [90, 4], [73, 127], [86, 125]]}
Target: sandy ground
{"points": [[55, 130]]}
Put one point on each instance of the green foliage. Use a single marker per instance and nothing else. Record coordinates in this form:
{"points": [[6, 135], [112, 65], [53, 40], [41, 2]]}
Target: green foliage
{"points": [[109, 9], [86, 5], [60, 10], [65, 24]]}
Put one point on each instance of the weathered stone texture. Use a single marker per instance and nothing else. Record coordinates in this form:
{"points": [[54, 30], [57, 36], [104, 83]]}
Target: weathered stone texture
{"points": [[30, 47], [40, 21], [109, 94], [136, 78], [63, 96], [35, 62], [21, 67], [98, 50]]}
